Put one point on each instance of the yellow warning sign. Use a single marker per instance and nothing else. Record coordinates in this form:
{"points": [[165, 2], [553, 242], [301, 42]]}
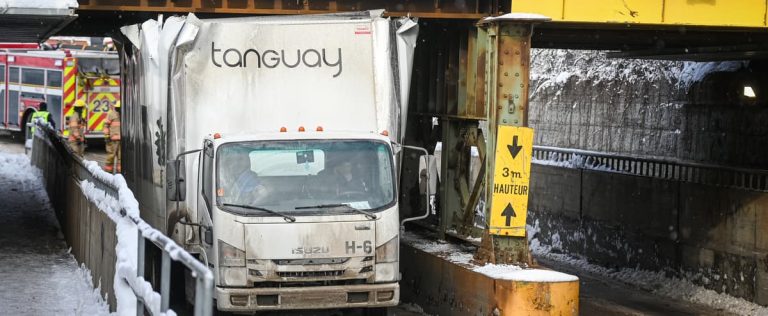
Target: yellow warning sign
{"points": [[511, 176]]}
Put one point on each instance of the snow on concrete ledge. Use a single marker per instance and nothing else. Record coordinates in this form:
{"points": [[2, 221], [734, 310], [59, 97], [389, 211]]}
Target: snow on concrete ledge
{"points": [[516, 273], [463, 255]]}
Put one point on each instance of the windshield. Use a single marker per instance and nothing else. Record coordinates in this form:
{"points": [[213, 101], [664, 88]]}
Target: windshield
{"points": [[304, 177]]}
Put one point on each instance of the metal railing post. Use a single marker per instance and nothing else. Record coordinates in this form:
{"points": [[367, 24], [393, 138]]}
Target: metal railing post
{"points": [[165, 282], [140, 270]]}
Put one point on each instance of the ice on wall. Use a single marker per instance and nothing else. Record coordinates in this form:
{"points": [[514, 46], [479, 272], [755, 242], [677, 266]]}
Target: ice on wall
{"points": [[555, 67]]}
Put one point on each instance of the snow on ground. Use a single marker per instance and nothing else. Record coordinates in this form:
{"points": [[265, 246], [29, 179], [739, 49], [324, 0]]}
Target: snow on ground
{"points": [[654, 282], [39, 275], [464, 256]]}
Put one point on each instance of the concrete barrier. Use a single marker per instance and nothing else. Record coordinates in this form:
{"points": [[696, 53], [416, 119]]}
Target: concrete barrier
{"points": [[442, 287]]}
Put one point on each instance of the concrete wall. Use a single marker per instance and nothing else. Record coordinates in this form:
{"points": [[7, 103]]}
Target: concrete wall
{"points": [[688, 111], [713, 236]]}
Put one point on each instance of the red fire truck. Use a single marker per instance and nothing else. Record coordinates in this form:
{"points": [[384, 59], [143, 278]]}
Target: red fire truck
{"points": [[59, 78]]}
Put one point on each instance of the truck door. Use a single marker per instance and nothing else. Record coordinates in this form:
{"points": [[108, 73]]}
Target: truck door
{"points": [[205, 202]]}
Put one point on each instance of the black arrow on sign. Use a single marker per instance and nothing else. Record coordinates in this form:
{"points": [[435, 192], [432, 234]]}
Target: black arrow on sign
{"points": [[514, 149], [509, 212]]}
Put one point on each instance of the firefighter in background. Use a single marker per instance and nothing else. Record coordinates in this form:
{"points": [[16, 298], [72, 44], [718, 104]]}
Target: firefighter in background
{"points": [[112, 137], [76, 128]]}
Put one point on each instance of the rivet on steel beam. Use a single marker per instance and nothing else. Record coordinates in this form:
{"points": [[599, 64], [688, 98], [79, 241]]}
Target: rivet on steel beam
{"points": [[501, 84], [517, 52], [515, 121], [517, 96], [522, 85], [505, 120], [517, 74], [506, 74], [504, 95], [506, 52]]}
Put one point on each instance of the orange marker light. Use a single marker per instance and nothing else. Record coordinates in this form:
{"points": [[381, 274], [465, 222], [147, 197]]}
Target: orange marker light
{"points": [[385, 133], [220, 192], [283, 130], [319, 128], [216, 136], [301, 128]]}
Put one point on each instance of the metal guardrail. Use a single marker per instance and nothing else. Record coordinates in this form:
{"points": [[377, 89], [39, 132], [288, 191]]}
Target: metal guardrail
{"points": [[731, 177], [170, 250]]}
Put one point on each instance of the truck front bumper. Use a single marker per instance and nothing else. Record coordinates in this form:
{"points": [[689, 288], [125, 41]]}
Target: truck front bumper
{"points": [[315, 297]]}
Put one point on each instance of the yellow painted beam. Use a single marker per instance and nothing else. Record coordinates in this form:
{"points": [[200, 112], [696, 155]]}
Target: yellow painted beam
{"points": [[749, 13], [718, 13]]}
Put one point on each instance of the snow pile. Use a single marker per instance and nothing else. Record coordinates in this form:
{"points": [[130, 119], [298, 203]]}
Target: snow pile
{"points": [[655, 282], [92, 304], [18, 168]]}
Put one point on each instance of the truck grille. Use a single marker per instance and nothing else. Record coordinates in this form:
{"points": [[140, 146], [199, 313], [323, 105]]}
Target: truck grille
{"points": [[310, 274], [310, 261]]}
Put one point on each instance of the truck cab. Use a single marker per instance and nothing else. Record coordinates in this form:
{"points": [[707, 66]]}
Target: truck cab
{"points": [[293, 220]]}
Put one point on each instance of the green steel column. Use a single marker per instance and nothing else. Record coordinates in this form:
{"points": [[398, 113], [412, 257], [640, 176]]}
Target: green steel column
{"points": [[506, 99]]}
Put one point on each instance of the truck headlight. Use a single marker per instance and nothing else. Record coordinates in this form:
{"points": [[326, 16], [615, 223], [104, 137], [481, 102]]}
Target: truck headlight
{"points": [[388, 252], [229, 256]]}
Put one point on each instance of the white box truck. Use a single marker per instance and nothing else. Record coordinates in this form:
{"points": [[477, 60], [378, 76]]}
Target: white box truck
{"points": [[270, 147]]}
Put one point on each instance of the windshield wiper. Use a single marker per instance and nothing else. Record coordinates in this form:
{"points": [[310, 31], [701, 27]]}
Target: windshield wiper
{"points": [[287, 218], [366, 213]]}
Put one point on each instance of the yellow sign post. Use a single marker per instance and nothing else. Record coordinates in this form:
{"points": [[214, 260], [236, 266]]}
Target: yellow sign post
{"points": [[512, 174]]}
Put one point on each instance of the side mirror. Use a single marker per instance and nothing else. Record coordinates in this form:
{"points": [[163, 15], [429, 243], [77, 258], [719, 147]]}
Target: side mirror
{"points": [[428, 177], [176, 190], [208, 236], [426, 163]]}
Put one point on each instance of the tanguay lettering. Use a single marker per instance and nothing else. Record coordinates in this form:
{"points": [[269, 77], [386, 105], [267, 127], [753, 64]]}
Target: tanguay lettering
{"points": [[270, 58]]}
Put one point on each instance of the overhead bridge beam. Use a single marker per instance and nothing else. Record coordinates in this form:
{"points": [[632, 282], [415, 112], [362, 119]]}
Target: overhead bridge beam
{"points": [[699, 13], [471, 9]]}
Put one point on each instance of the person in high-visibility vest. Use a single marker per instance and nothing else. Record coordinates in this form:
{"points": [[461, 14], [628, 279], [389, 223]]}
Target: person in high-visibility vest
{"points": [[43, 115], [112, 137], [76, 129]]}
